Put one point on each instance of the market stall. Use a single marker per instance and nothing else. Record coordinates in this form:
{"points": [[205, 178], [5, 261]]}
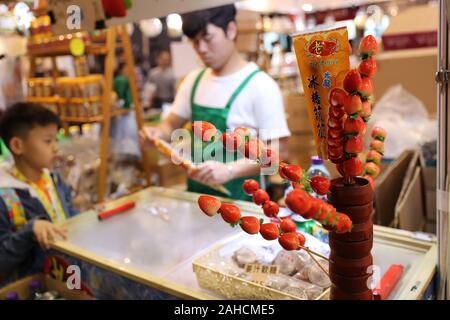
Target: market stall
{"points": [[132, 241], [162, 249]]}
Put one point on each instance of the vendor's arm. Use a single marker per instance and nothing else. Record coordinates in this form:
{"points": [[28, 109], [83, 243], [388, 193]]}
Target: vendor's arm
{"points": [[164, 129], [213, 172]]}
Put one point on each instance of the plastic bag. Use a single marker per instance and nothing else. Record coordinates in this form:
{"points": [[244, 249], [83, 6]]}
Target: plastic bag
{"points": [[405, 119], [124, 136]]}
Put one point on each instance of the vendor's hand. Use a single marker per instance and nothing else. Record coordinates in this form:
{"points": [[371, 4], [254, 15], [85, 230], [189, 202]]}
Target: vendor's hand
{"points": [[148, 134], [46, 232], [212, 173]]}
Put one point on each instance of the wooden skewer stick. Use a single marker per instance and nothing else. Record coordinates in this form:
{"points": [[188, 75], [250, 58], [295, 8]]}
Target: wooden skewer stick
{"points": [[315, 253], [318, 263]]}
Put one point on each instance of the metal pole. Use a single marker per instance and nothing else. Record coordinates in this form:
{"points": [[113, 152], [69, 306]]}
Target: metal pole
{"points": [[442, 77]]}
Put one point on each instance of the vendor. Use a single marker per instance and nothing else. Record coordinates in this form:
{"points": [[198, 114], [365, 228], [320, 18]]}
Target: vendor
{"points": [[229, 93]]}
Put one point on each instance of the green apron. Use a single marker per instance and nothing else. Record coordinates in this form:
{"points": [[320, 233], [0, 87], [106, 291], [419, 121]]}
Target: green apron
{"points": [[218, 117]]}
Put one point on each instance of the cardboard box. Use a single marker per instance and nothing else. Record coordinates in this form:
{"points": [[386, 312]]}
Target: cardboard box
{"points": [[297, 113], [169, 174], [429, 186], [301, 149], [430, 226], [389, 187], [49, 284], [409, 210], [414, 69]]}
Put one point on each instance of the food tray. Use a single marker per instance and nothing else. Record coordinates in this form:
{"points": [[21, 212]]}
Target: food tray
{"points": [[233, 287]]}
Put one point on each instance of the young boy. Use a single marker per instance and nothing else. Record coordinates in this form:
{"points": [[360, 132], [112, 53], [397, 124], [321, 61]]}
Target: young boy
{"points": [[33, 201]]}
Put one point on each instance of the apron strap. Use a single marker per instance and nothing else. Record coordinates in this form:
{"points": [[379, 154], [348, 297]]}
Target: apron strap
{"points": [[196, 83], [241, 87]]}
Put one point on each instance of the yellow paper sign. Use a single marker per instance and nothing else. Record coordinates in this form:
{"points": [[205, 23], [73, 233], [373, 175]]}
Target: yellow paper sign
{"points": [[77, 47], [323, 61]]}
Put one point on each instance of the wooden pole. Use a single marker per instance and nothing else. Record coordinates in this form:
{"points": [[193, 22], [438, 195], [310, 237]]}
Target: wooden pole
{"points": [[106, 110], [129, 60]]}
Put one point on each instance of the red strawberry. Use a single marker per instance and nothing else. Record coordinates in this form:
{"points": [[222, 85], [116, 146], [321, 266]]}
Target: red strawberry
{"points": [[301, 239], [230, 213], [298, 201], [340, 222], [293, 172], [334, 142], [336, 112], [269, 231], [336, 124], [336, 154], [366, 110], [209, 205], [379, 133], [340, 168], [332, 218], [260, 197], [352, 81], [253, 148], [297, 185], [324, 212], [250, 186], [231, 141], [366, 88], [243, 132], [269, 158], [288, 225], [353, 167], [377, 145], [250, 224], [337, 97], [271, 209], [335, 133], [368, 47], [354, 145], [289, 241], [353, 104], [316, 204], [354, 126], [368, 67], [280, 171], [371, 181], [373, 156], [204, 130], [344, 224], [372, 169], [320, 185]]}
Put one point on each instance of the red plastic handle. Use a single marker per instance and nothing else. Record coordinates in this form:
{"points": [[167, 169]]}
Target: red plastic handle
{"points": [[119, 209], [388, 282]]}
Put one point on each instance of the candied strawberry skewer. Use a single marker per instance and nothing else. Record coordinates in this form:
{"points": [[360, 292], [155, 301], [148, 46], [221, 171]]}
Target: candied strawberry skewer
{"points": [[373, 157], [357, 105], [284, 231]]}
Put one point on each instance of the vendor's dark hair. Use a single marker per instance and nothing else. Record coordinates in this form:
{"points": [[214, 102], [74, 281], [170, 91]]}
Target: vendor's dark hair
{"points": [[195, 22], [21, 117]]}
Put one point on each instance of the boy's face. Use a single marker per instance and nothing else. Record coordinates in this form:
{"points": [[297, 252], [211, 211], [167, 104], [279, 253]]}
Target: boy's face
{"points": [[214, 46], [39, 148]]}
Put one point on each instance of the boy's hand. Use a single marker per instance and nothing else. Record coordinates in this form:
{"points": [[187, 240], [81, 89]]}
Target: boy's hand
{"points": [[46, 232]]}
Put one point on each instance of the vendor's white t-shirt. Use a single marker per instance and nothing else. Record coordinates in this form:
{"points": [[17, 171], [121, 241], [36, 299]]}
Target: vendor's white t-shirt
{"points": [[259, 106]]}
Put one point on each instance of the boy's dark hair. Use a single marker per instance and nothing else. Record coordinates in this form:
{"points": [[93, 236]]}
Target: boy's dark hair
{"points": [[195, 23], [21, 117]]}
